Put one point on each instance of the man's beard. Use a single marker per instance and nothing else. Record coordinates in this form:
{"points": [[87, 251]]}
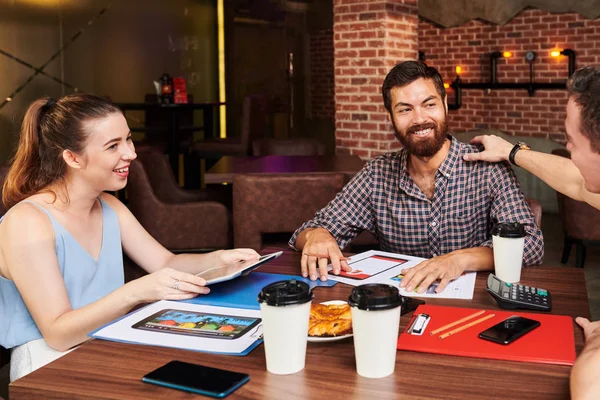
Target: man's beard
{"points": [[423, 147]]}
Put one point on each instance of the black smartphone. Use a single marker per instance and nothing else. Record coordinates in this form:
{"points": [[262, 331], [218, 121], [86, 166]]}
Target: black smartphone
{"points": [[509, 330], [196, 378]]}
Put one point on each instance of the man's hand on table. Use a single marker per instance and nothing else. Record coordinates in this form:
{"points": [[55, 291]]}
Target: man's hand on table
{"points": [[444, 268], [319, 248]]}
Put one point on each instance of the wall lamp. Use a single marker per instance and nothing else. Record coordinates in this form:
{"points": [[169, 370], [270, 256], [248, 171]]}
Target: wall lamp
{"points": [[570, 55], [493, 83]]}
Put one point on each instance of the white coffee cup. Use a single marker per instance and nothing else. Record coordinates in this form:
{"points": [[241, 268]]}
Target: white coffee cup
{"points": [[375, 324], [285, 311], [508, 240]]}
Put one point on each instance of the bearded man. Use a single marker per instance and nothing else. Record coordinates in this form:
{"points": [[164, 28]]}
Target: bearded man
{"points": [[424, 200]]}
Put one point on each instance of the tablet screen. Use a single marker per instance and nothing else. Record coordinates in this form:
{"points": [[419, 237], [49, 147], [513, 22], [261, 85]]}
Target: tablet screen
{"points": [[223, 273], [191, 323]]}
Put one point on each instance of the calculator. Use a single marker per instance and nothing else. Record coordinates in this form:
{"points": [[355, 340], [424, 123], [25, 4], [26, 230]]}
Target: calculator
{"points": [[513, 295]]}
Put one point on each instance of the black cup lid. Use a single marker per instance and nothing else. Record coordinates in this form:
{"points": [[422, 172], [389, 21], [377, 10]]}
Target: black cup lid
{"points": [[375, 297], [509, 230], [286, 293]]}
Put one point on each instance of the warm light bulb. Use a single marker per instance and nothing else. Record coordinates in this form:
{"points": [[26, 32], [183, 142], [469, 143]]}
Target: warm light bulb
{"points": [[446, 85], [555, 53], [507, 54], [458, 69]]}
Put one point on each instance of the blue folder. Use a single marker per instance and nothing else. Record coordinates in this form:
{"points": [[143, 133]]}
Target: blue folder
{"points": [[243, 292]]}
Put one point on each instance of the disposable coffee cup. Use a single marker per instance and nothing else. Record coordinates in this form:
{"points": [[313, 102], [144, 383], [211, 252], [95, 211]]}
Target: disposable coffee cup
{"points": [[375, 324], [285, 311], [508, 240]]}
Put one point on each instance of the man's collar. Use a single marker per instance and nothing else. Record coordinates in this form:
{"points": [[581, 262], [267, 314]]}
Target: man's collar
{"points": [[445, 168], [449, 162]]}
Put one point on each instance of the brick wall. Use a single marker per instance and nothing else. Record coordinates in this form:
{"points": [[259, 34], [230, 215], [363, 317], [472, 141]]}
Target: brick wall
{"points": [[321, 71], [370, 37], [512, 111]]}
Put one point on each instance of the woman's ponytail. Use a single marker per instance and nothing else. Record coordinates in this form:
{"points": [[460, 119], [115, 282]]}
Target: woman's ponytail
{"points": [[24, 172]]}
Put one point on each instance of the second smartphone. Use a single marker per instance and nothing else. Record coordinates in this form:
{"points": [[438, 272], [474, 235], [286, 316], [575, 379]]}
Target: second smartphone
{"points": [[509, 330], [196, 378]]}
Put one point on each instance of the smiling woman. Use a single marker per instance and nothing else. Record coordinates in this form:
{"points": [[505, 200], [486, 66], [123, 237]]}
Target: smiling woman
{"points": [[49, 129], [62, 239]]}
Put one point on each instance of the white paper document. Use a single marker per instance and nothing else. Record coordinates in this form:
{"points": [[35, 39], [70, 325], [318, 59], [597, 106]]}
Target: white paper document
{"points": [[375, 266], [188, 326]]}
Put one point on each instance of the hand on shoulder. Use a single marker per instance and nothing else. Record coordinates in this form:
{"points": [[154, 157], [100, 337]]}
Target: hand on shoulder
{"points": [[496, 149]]}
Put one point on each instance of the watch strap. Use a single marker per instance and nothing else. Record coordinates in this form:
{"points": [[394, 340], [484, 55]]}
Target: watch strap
{"points": [[518, 146]]}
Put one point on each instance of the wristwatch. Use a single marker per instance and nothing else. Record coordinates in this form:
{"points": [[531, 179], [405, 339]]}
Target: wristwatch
{"points": [[518, 146]]}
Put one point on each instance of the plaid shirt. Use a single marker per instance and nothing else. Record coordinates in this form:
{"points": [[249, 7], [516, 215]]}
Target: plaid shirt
{"points": [[469, 198]]}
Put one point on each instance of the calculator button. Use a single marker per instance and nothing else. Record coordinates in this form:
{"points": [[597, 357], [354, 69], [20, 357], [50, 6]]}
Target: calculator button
{"points": [[508, 284], [542, 292], [505, 295]]}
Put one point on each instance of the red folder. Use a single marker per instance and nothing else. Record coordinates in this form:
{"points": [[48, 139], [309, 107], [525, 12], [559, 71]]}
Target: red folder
{"points": [[553, 342]]}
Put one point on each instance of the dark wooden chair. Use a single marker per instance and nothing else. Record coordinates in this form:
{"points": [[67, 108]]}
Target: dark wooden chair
{"points": [[254, 115], [156, 127]]}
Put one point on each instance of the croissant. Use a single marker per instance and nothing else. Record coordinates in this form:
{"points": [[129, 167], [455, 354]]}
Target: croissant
{"points": [[330, 320]]}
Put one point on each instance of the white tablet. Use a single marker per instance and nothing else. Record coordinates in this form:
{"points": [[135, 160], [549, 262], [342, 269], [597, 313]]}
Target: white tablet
{"points": [[225, 273]]}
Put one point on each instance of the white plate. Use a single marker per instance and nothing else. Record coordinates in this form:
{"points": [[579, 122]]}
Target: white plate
{"points": [[318, 339]]}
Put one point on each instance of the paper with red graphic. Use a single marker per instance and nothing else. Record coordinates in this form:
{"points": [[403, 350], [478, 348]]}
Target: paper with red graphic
{"points": [[375, 266]]}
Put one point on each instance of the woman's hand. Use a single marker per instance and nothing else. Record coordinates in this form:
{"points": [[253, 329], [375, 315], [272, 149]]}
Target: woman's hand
{"points": [[167, 284], [232, 257]]}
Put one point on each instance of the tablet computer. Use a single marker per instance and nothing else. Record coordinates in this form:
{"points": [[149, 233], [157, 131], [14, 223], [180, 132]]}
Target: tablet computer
{"points": [[198, 324], [227, 272]]}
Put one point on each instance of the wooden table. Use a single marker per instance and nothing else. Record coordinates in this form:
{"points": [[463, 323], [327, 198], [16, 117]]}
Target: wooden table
{"points": [[226, 167], [108, 370]]}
